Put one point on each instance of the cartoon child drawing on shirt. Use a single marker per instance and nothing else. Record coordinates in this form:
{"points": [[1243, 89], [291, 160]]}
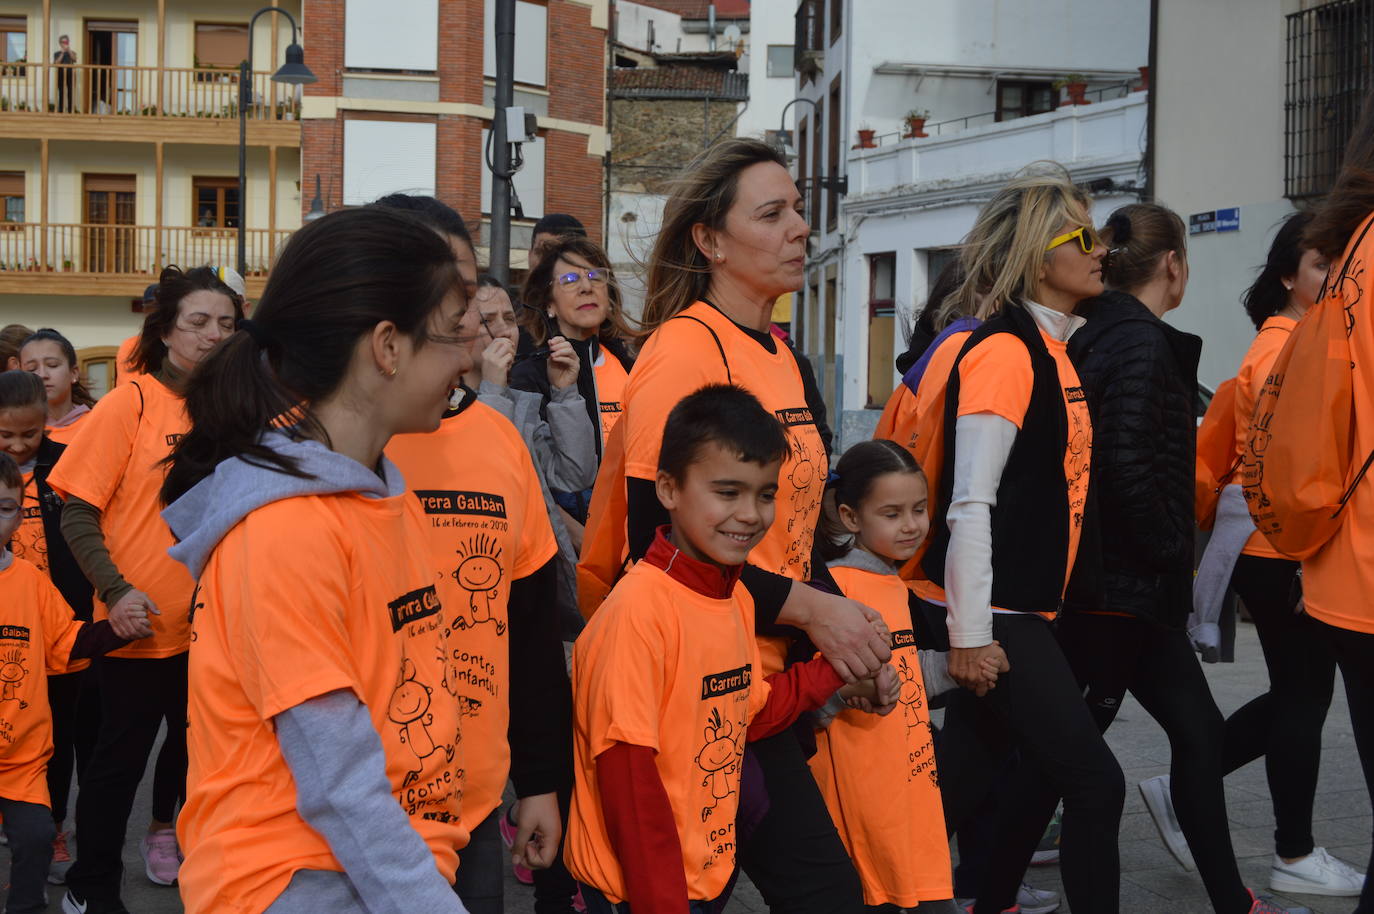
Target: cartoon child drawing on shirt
{"points": [[480, 575], [12, 674], [409, 709], [912, 696], [719, 758]]}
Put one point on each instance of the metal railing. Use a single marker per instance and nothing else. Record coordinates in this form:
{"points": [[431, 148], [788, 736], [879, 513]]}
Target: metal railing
{"points": [[961, 124], [1328, 74], [128, 249], [140, 91]]}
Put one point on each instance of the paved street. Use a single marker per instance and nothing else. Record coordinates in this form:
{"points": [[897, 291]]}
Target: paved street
{"points": [[1152, 882]]}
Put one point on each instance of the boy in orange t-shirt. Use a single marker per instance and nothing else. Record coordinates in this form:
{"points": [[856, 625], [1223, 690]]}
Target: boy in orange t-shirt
{"points": [[38, 635], [664, 695]]}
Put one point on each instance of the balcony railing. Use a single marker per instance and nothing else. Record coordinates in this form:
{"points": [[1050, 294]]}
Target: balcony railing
{"points": [[129, 249], [140, 91]]}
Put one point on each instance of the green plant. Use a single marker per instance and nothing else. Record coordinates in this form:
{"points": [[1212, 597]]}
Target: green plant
{"points": [[918, 114], [4, 103], [1070, 80]]}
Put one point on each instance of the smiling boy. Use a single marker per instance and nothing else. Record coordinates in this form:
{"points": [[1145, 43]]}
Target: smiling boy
{"points": [[664, 688]]}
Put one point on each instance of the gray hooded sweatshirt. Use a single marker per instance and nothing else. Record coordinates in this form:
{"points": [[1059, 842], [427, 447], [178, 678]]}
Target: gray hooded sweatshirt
{"points": [[334, 753]]}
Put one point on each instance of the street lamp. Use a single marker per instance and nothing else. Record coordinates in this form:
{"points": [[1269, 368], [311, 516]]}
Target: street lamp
{"points": [[293, 73], [784, 135], [316, 204]]}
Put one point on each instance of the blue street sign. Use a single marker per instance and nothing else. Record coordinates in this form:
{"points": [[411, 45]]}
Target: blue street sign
{"points": [[1228, 220]]}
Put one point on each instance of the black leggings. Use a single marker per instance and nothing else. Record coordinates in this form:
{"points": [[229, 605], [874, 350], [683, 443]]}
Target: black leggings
{"points": [[136, 696], [1038, 709], [1284, 725], [1111, 655], [75, 702], [1354, 653]]}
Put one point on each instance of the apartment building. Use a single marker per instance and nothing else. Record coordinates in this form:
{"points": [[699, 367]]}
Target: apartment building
{"points": [[119, 155]]}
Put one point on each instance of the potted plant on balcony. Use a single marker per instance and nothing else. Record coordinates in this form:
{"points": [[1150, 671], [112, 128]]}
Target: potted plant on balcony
{"points": [[916, 123], [66, 266], [1076, 85], [1144, 80], [866, 133]]}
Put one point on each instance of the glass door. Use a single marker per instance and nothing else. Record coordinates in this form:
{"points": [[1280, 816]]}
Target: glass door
{"points": [[110, 205]]}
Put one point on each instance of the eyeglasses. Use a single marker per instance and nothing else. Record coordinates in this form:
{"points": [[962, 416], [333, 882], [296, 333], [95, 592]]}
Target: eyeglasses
{"points": [[1086, 239], [595, 277], [200, 324]]}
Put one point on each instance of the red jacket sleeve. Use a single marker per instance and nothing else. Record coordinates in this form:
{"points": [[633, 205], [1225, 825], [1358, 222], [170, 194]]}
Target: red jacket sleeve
{"points": [[640, 825], [800, 688]]}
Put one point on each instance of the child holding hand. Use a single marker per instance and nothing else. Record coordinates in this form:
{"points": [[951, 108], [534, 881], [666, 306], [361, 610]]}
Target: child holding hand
{"points": [[664, 691], [878, 774], [38, 635]]}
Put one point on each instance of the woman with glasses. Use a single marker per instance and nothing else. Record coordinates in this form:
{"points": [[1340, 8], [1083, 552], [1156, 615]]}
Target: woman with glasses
{"points": [[1010, 516], [110, 477]]}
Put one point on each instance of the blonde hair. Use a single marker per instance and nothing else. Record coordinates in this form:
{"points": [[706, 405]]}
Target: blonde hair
{"points": [[679, 274], [1004, 252]]}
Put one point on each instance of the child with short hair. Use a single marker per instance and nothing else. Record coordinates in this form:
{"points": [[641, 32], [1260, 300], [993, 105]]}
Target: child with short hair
{"points": [[663, 676], [38, 634], [878, 774]]}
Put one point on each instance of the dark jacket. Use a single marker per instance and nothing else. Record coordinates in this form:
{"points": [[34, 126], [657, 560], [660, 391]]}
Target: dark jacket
{"points": [[1140, 375], [533, 375], [1030, 522], [62, 568]]}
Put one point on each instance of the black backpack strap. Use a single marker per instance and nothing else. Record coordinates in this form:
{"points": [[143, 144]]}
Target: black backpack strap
{"points": [[139, 388], [714, 336]]}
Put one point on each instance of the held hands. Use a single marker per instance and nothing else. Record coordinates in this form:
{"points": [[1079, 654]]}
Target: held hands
{"points": [[850, 635], [538, 828], [496, 361], [563, 363], [876, 694], [129, 615], [977, 668]]}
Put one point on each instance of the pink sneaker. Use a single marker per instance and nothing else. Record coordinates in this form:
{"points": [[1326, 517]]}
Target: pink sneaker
{"points": [[579, 905], [161, 856], [523, 874]]}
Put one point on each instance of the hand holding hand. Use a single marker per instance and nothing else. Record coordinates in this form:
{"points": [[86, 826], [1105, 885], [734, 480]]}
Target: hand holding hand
{"points": [[563, 363], [129, 615], [966, 666], [850, 635]]}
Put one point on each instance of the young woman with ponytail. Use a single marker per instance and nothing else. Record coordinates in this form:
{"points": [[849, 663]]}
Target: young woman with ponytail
{"points": [[1140, 376], [51, 356], [320, 626], [110, 476]]}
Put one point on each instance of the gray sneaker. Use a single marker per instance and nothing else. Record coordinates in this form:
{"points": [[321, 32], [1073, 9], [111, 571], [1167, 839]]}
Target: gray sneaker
{"points": [[1318, 873], [1159, 801]]}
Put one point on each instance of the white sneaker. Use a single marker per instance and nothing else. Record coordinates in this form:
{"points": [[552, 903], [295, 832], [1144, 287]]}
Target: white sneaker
{"points": [[1036, 901], [1318, 873], [1159, 801]]}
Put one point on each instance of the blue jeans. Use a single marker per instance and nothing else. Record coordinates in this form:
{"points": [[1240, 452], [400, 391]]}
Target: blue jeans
{"points": [[597, 904]]}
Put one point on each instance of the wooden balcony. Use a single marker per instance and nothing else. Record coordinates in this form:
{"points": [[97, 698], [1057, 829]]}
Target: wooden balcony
{"points": [[121, 259], [129, 104]]}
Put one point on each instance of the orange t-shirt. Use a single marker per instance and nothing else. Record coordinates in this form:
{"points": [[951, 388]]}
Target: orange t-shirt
{"points": [[878, 775], [897, 423], [66, 434], [303, 597], [124, 358], [663, 666], [37, 631], [996, 377], [30, 542], [681, 358], [1254, 368], [486, 534], [115, 465], [908, 416], [610, 378]]}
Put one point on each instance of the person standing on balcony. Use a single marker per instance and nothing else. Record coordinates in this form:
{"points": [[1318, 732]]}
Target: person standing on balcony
{"points": [[64, 57]]}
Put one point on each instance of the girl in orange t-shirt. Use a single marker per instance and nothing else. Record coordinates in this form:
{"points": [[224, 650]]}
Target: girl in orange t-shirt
{"points": [[50, 355], [878, 774], [109, 477], [321, 623]]}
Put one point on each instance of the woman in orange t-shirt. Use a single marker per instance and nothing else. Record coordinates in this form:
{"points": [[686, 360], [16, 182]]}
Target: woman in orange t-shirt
{"points": [[733, 240], [318, 702], [110, 476], [50, 355]]}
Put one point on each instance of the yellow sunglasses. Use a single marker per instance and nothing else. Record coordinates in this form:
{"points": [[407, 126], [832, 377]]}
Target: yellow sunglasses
{"points": [[1084, 234]]}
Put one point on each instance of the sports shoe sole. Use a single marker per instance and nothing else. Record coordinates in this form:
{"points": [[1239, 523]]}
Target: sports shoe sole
{"points": [[1161, 811], [1290, 885], [1045, 858]]}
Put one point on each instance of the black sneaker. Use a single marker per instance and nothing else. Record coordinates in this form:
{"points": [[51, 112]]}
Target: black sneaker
{"points": [[72, 903]]}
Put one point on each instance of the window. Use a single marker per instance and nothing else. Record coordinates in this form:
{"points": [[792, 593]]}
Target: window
{"points": [[216, 203], [836, 19], [14, 41], [221, 45], [387, 156], [12, 196], [1022, 99], [1329, 49], [780, 60], [391, 35], [833, 157], [531, 42], [882, 297]]}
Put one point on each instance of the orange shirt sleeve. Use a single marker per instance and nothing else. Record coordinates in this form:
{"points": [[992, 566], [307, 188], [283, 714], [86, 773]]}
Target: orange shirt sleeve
{"points": [[683, 359], [629, 679], [293, 643], [536, 542], [93, 465], [996, 377]]}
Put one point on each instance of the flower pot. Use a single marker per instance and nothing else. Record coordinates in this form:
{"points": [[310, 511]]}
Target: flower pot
{"points": [[915, 127], [1077, 94], [866, 140], [1144, 79]]}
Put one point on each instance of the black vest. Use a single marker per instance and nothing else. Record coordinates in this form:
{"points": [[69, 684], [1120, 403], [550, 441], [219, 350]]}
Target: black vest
{"points": [[1030, 522], [66, 574]]}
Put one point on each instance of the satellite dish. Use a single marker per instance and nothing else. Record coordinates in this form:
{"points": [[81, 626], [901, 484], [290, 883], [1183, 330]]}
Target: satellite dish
{"points": [[732, 34]]}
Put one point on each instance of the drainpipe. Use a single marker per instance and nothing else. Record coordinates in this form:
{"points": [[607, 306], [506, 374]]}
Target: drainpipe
{"points": [[1150, 103]]}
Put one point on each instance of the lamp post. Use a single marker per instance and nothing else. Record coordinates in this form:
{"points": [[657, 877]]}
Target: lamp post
{"points": [[316, 203], [293, 73], [785, 135]]}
